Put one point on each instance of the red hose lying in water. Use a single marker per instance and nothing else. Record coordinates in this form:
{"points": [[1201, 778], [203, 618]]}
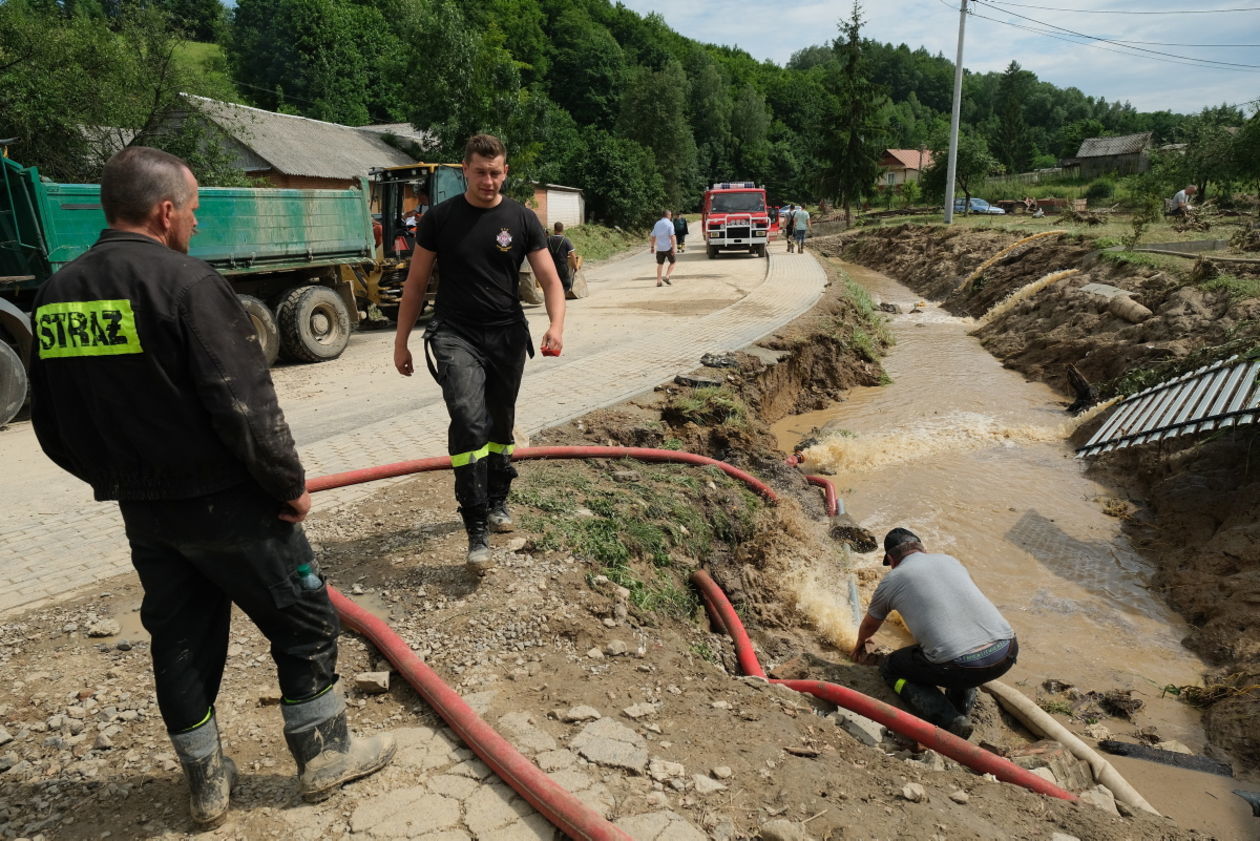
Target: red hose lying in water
{"points": [[556, 804], [404, 468], [900, 721]]}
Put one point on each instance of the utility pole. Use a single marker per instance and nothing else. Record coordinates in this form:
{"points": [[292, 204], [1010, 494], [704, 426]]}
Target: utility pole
{"points": [[952, 169]]}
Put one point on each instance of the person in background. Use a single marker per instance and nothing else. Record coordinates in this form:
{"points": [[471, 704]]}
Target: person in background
{"points": [[787, 218], [663, 242], [680, 231], [800, 227], [168, 407], [961, 640], [1181, 201], [561, 247]]}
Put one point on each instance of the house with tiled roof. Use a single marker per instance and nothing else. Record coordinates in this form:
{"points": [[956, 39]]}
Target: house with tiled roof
{"points": [[902, 166]]}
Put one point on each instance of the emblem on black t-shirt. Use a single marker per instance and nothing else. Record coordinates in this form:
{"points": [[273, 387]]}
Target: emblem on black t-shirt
{"points": [[504, 239]]}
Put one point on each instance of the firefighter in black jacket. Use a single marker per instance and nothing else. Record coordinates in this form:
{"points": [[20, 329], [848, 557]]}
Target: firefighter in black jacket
{"points": [[149, 384]]}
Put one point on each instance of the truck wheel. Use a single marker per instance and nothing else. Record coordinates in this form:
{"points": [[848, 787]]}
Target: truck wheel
{"points": [[711, 251], [264, 326], [12, 383], [314, 324]]}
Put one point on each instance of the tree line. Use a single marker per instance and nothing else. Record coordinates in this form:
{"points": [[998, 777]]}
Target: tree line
{"points": [[585, 92]]}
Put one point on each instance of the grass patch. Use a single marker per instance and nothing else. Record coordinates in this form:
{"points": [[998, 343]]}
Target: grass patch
{"points": [[1055, 706], [1238, 288], [644, 535], [208, 70], [597, 242], [710, 406], [1144, 259], [1242, 344]]}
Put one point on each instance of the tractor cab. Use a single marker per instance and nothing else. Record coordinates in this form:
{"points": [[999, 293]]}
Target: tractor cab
{"points": [[398, 191]]}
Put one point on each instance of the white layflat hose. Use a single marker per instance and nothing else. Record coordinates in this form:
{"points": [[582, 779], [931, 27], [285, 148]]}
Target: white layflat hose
{"points": [[1043, 724]]}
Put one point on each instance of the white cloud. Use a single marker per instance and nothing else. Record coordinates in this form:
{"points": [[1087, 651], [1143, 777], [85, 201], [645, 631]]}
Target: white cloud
{"points": [[1150, 82]]}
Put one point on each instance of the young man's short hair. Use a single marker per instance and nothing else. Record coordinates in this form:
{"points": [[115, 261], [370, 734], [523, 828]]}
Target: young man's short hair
{"points": [[485, 145], [137, 179], [559, 227]]}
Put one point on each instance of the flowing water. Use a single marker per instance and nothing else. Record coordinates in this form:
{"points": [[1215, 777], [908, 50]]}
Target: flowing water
{"points": [[975, 460]]}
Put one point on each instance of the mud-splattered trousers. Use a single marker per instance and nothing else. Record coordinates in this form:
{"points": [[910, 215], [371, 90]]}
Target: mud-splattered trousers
{"points": [[480, 372], [197, 556]]}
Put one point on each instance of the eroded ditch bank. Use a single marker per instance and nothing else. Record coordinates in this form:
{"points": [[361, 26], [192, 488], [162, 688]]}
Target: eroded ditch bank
{"points": [[588, 614], [1197, 500]]}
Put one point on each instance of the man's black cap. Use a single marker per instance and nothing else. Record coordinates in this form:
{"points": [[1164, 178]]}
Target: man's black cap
{"points": [[897, 537]]}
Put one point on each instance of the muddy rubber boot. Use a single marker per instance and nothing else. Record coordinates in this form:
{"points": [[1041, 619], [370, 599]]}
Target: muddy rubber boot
{"points": [[962, 699], [929, 704], [327, 756], [211, 776], [479, 559], [500, 519]]}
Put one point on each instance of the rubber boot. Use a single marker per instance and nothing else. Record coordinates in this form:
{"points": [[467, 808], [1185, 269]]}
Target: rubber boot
{"points": [[962, 699], [929, 704], [475, 524], [327, 755], [499, 519], [211, 775]]}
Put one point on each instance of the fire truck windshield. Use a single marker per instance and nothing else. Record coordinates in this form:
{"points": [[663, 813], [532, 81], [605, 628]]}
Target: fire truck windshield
{"points": [[738, 203]]}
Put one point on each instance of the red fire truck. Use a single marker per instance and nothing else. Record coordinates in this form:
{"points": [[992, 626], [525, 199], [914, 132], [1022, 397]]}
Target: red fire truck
{"points": [[735, 218]]}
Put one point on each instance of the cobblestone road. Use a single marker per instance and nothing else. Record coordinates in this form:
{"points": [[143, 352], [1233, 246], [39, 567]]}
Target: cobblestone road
{"points": [[626, 338]]}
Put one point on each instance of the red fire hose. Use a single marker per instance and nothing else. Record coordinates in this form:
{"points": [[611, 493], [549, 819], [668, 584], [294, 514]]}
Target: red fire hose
{"points": [[902, 722], [404, 468], [556, 804], [829, 494]]}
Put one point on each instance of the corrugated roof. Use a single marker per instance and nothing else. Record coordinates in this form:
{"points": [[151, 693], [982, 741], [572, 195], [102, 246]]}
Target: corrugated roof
{"points": [[1216, 396], [1102, 147], [301, 146], [909, 158]]}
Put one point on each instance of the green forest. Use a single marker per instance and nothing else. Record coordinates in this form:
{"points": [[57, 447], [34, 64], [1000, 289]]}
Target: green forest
{"points": [[585, 93]]}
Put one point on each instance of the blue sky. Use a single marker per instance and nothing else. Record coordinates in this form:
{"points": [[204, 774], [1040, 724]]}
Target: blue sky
{"points": [[1149, 81]]}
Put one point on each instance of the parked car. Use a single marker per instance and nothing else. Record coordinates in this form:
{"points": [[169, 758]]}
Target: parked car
{"points": [[977, 206]]}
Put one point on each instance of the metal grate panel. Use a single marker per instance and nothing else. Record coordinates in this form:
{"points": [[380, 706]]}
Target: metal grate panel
{"points": [[1216, 396]]}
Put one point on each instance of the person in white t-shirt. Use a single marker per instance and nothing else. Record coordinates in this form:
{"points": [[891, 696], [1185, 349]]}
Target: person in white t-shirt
{"points": [[663, 242]]}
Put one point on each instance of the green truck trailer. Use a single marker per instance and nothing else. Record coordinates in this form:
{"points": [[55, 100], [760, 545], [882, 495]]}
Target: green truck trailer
{"points": [[305, 262]]}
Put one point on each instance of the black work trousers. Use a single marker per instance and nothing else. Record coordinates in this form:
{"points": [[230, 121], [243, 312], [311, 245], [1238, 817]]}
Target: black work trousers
{"points": [[910, 664], [196, 557], [480, 372]]}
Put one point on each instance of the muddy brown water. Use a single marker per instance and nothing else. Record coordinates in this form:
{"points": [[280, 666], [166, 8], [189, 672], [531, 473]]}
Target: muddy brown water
{"points": [[975, 460]]}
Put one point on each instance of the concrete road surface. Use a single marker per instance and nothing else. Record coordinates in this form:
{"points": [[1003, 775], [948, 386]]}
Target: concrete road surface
{"points": [[357, 411]]}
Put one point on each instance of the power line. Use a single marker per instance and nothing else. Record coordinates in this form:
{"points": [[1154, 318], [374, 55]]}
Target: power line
{"points": [[1182, 61], [1175, 44], [1181, 58], [1129, 11]]}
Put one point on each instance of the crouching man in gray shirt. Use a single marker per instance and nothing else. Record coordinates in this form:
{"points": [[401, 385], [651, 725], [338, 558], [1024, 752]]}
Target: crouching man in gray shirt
{"points": [[962, 639]]}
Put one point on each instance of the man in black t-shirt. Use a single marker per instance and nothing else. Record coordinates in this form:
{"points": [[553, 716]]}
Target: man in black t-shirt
{"points": [[561, 247], [477, 341]]}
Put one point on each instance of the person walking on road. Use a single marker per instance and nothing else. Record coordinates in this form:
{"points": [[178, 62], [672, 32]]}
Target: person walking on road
{"points": [[561, 247], [786, 224], [478, 338], [148, 383], [680, 231], [800, 227], [962, 640], [663, 242]]}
